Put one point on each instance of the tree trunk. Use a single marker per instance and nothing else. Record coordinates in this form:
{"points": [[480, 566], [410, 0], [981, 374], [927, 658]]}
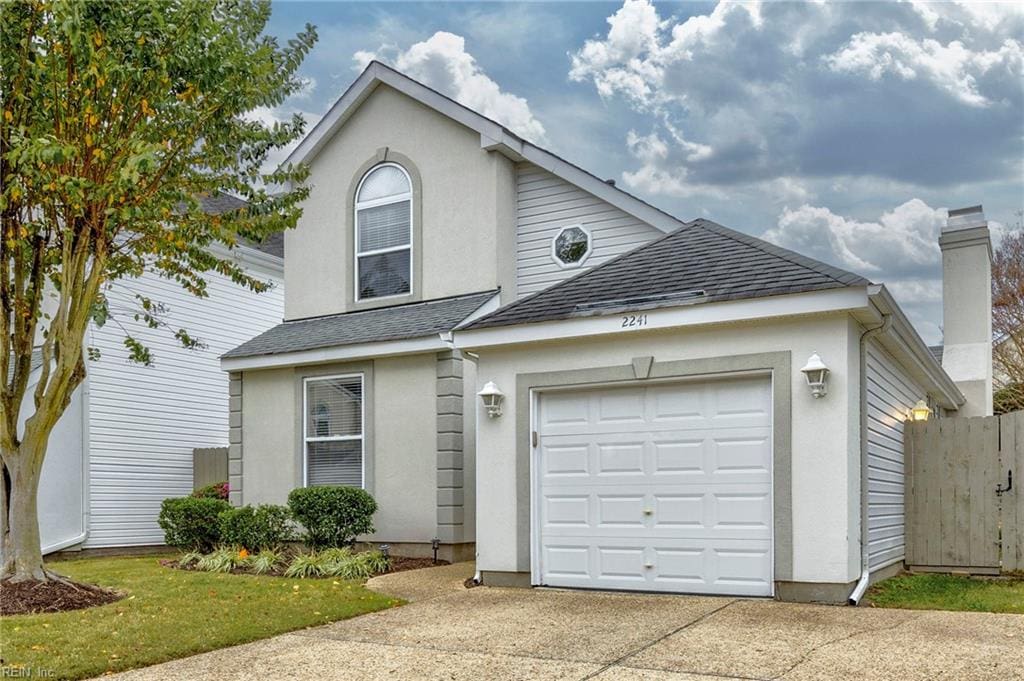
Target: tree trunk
{"points": [[23, 558]]}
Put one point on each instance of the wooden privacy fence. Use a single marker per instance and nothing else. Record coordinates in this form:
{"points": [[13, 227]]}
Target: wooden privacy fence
{"points": [[209, 465], [965, 509]]}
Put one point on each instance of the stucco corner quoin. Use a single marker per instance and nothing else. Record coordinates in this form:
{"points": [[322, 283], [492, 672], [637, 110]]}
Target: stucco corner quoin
{"points": [[776, 364]]}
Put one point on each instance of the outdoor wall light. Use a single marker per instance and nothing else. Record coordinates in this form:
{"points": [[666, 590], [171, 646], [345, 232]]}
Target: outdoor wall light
{"points": [[921, 411], [817, 375], [492, 398]]}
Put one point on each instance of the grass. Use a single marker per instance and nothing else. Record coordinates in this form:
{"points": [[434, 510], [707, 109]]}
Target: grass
{"points": [[949, 592], [169, 614]]}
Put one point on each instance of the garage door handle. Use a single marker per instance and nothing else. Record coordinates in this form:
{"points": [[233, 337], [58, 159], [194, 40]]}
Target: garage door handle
{"points": [[648, 511]]}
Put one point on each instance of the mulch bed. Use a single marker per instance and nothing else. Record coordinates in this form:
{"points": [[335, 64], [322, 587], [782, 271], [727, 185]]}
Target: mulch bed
{"points": [[396, 564], [401, 564], [23, 598]]}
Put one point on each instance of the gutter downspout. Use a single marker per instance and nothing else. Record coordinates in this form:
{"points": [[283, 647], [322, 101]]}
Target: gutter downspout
{"points": [[865, 568]]}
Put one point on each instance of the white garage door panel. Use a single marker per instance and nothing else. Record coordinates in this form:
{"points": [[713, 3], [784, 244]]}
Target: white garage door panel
{"points": [[662, 488], [738, 567], [680, 511]]}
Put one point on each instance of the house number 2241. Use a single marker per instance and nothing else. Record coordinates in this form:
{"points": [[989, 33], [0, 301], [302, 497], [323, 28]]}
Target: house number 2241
{"points": [[630, 321]]}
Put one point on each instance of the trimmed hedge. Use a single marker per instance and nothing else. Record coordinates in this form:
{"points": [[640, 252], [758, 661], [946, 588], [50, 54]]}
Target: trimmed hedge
{"points": [[192, 523], [333, 516], [255, 527]]}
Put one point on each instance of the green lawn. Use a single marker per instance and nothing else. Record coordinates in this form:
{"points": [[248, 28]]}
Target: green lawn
{"points": [[949, 592], [170, 614]]}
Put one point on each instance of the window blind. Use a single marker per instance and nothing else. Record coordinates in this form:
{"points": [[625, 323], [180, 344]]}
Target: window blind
{"points": [[383, 226], [334, 431]]}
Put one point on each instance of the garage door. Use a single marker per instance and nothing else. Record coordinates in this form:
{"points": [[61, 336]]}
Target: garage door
{"points": [[665, 487]]}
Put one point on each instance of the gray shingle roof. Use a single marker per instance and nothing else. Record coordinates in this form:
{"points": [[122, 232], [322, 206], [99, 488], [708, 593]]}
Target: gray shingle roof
{"points": [[701, 256], [215, 204], [413, 320]]}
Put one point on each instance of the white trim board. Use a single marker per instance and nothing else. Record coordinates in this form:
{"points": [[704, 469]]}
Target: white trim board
{"points": [[493, 137], [834, 300]]}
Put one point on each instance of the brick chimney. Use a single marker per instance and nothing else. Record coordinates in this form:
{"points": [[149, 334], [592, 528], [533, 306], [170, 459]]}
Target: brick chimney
{"points": [[967, 307]]}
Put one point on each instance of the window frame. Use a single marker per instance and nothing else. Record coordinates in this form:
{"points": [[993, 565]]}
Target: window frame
{"points": [[306, 438], [586, 255], [374, 203]]}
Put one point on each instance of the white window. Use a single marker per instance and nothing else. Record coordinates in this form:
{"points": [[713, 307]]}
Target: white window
{"points": [[384, 233], [333, 430]]}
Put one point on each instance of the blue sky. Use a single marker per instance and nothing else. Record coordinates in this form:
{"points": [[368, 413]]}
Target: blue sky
{"points": [[843, 131]]}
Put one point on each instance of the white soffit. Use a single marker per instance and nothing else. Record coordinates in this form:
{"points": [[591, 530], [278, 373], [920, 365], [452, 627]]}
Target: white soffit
{"points": [[750, 309]]}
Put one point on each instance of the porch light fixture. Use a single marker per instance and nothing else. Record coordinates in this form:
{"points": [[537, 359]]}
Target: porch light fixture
{"points": [[817, 376], [492, 398], [921, 411]]}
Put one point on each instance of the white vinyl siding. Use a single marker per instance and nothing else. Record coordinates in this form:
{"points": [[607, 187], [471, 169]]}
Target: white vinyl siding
{"points": [[890, 394], [145, 421], [545, 205], [333, 430]]}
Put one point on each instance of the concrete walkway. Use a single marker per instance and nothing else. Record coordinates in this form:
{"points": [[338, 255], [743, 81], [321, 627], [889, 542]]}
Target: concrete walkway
{"points": [[449, 632]]}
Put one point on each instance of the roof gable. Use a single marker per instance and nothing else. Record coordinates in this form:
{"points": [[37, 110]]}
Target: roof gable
{"points": [[701, 262], [493, 137]]}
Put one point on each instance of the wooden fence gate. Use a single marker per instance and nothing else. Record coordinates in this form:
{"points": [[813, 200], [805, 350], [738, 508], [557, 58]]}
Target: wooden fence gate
{"points": [[965, 511], [209, 466]]}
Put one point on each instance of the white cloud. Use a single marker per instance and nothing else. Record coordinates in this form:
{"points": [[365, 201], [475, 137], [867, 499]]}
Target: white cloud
{"points": [[952, 67], [442, 62], [988, 15], [901, 242], [899, 249]]}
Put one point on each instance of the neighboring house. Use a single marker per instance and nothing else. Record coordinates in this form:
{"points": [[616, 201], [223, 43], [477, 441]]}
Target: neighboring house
{"points": [[656, 431], [125, 442]]}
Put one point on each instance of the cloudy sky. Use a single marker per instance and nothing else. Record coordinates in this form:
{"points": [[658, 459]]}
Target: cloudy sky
{"points": [[843, 131]]}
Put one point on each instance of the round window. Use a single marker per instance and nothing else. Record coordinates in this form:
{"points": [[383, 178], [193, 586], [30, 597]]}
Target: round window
{"points": [[571, 246]]}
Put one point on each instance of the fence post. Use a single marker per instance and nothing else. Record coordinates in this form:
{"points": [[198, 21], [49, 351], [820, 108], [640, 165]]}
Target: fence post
{"points": [[1011, 503]]}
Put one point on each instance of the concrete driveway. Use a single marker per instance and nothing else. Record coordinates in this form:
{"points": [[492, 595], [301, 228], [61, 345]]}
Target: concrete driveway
{"points": [[449, 632]]}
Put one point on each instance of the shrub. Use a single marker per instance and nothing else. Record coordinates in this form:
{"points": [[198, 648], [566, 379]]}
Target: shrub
{"points": [[218, 490], [224, 559], [307, 565], [187, 559], [332, 516], [337, 562], [357, 566], [191, 523], [255, 527], [267, 560]]}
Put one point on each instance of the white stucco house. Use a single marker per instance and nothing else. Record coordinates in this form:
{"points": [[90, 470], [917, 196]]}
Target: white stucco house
{"points": [[647, 426], [125, 442]]}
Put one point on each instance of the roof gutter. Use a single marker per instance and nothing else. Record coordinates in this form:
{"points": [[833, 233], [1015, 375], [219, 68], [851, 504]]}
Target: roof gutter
{"points": [[339, 353]]}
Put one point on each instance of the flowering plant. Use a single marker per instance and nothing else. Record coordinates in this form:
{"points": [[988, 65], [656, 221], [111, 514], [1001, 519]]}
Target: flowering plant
{"points": [[218, 490]]}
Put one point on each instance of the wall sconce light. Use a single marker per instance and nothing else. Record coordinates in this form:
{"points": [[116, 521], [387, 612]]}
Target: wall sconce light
{"points": [[921, 411], [817, 375], [492, 398]]}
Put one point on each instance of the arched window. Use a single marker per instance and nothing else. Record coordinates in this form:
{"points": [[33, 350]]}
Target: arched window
{"points": [[384, 233]]}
